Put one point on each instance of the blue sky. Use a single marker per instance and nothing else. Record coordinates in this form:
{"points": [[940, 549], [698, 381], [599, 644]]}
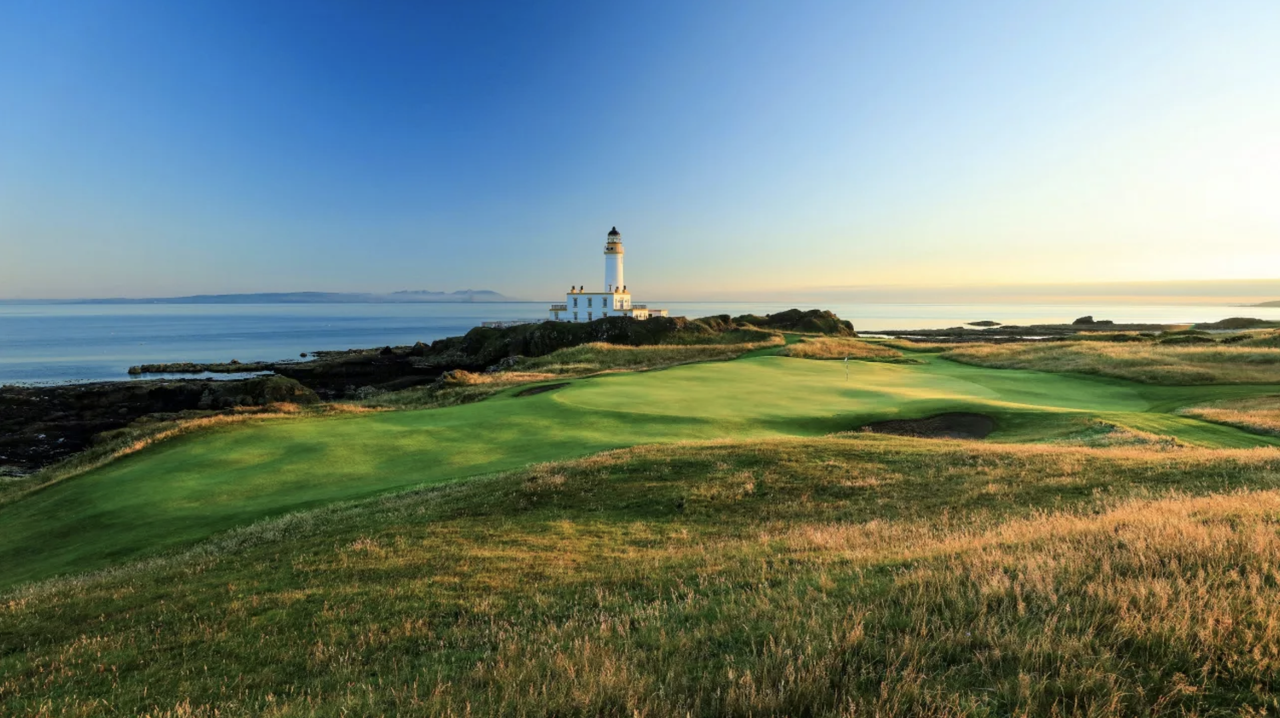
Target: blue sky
{"points": [[160, 148]]}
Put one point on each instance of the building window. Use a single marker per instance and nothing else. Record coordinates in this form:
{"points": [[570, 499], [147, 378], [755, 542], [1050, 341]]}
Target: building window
{"points": [[588, 301], [588, 316], [575, 304], [575, 316]]}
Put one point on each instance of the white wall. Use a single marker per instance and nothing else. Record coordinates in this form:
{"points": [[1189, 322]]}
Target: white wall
{"points": [[613, 270], [596, 304]]}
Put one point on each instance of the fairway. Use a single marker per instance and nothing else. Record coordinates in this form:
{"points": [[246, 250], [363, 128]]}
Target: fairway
{"points": [[189, 488]]}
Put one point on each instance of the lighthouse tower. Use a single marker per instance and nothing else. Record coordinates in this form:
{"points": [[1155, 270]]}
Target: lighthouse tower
{"points": [[613, 281], [613, 299]]}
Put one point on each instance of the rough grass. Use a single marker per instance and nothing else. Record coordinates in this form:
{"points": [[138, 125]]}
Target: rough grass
{"points": [[910, 345], [1261, 339], [825, 577], [599, 357], [1151, 364], [744, 335], [1257, 414], [459, 387], [841, 347], [1100, 434]]}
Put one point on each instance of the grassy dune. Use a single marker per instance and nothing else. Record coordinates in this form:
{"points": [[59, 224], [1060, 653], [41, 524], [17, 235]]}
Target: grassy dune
{"points": [[1259, 414], [839, 348], [834, 576], [1152, 364]]}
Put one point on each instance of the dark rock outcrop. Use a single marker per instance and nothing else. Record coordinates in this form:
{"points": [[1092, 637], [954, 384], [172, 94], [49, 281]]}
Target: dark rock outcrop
{"points": [[813, 321], [1090, 321]]}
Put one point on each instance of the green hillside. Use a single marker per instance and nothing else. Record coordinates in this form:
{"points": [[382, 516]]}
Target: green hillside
{"points": [[193, 487], [824, 576]]}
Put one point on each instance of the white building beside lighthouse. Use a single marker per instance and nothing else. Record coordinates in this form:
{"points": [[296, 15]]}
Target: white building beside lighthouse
{"points": [[615, 301]]}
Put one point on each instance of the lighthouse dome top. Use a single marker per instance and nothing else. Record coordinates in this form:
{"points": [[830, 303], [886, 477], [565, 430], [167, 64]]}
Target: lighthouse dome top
{"points": [[614, 232]]}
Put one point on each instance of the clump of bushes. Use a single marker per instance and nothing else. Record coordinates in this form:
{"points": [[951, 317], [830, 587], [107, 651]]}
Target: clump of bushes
{"points": [[1187, 339], [1254, 339]]}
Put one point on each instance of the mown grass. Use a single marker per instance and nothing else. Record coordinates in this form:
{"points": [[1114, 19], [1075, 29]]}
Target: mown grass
{"points": [[825, 577], [113, 445], [1258, 414], [840, 348], [1152, 364], [463, 387]]}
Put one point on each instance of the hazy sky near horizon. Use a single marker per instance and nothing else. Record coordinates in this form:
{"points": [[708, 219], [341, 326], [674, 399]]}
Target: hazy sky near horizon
{"points": [[161, 148]]}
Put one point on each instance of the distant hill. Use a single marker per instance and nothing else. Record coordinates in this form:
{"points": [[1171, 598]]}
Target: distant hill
{"points": [[1267, 304], [401, 297]]}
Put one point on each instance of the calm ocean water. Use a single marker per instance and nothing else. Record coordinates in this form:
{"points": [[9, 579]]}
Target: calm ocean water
{"points": [[50, 343]]}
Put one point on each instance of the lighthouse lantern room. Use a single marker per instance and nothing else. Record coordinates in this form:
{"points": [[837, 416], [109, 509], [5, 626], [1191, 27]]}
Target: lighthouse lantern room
{"points": [[615, 301]]}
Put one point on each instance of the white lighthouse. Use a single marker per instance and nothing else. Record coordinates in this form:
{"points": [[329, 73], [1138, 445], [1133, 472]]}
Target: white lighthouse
{"points": [[581, 305], [613, 253]]}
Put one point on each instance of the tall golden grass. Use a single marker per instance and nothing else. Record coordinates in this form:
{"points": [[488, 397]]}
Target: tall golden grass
{"points": [[912, 345], [1258, 414], [1153, 364], [839, 348]]}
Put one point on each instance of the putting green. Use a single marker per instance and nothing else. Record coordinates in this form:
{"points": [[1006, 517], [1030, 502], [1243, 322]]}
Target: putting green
{"points": [[189, 488], [778, 387]]}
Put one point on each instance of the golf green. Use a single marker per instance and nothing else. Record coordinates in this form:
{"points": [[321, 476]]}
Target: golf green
{"points": [[180, 491]]}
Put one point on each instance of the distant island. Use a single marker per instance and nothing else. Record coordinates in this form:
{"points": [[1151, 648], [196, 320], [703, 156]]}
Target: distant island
{"points": [[1267, 304], [401, 297]]}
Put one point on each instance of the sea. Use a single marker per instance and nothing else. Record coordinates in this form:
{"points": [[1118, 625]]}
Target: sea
{"points": [[59, 343]]}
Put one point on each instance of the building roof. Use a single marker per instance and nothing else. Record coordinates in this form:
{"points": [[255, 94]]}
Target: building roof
{"points": [[614, 232]]}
